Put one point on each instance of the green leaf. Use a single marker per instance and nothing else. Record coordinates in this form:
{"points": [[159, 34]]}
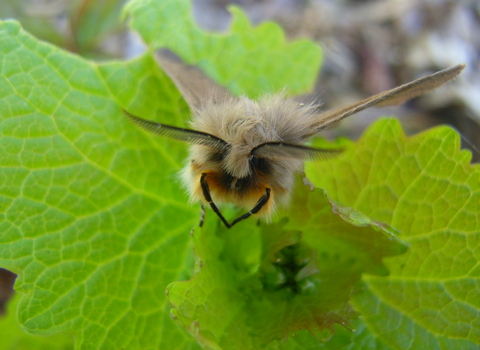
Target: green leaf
{"points": [[92, 216], [96, 225], [250, 61], [425, 187], [92, 219], [296, 274], [14, 338]]}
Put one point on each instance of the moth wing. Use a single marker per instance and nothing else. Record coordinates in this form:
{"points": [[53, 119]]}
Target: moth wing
{"points": [[194, 85], [286, 150], [391, 97]]}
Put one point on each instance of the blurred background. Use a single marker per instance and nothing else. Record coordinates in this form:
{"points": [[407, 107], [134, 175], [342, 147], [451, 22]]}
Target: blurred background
{"points": [[369, 46]]}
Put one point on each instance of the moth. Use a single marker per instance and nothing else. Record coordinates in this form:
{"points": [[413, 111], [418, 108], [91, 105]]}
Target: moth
{"points": [[246, 151]]}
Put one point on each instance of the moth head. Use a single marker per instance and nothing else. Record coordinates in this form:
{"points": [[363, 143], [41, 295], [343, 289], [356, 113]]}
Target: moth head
{"points": [[236, 160], [267, 159]]}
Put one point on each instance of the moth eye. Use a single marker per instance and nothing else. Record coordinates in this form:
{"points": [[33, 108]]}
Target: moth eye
{"points": [[216, 157], [260, 164]]}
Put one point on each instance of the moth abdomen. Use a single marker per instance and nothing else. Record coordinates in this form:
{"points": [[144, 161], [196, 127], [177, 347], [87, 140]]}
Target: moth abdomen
{"points": [[244, 192]]}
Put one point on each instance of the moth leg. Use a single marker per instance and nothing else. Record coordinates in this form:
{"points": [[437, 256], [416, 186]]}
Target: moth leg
{"points": [[202, 215], [208, 198], [206, 193], [261, 202]]}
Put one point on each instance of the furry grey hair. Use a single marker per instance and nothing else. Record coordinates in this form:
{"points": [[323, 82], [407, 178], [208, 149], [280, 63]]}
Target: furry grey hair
{"points": [[244, 124], [239, 124]]}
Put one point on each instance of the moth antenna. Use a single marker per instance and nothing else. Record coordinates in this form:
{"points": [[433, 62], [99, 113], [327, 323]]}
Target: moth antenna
{"points": [[286, 150], [179, 134]]}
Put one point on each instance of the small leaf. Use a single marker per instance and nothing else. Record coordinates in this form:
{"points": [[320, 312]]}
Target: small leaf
{"points": [[308, 270], [250, 61]]}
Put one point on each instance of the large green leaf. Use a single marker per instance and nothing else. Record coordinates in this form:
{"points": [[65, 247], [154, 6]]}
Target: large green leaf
{"points": [[93, 218], [425, 187]]}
